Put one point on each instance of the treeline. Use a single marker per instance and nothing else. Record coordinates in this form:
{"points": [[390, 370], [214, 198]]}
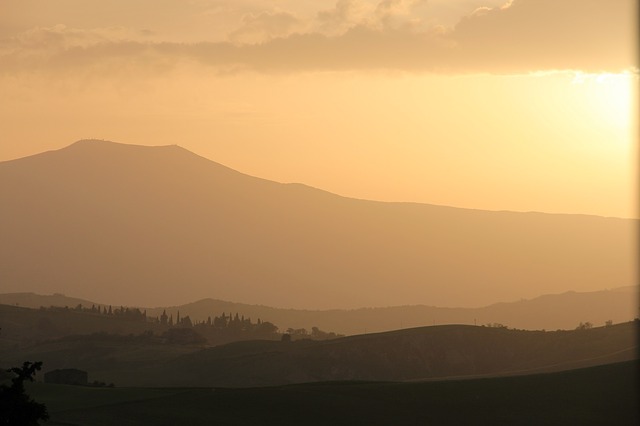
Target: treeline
{"points": [[315, 334], [230, 322], [134, 314], [235, 322], [181, 329]]}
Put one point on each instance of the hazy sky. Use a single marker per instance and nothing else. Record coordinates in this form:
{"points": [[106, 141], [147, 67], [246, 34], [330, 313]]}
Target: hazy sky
{"points": [[524, 105]]}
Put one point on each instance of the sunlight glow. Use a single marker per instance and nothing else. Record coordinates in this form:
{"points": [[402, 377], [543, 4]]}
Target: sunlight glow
{"points": [[610, 96]]}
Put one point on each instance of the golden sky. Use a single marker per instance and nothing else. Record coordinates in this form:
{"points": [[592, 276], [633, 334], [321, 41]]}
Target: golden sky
{"points": [[524, 105]]}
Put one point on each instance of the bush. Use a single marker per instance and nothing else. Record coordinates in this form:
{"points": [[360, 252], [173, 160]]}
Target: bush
{"points": [[16, 407]]}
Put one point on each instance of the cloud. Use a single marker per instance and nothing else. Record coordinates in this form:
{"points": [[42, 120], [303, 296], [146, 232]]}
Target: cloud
{"points": [[60, 36], [43, 49], [593, 35], [384, 14], [264, 26], [358, 48], [345, 14], [523, 36], [397, 13]]}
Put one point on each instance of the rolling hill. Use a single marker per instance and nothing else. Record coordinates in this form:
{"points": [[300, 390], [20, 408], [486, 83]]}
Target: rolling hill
{"points": [[411, 354], [549, 312], [162, 226]]}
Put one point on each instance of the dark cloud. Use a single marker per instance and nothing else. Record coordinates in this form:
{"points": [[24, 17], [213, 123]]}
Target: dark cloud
{"points": [[529, 35]]}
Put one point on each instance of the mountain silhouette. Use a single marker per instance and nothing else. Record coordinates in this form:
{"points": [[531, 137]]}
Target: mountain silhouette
{"points": [[549, 312], [160, 226]]}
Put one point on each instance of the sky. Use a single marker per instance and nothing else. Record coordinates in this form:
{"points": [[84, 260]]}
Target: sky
{"points": [[525, 105]]}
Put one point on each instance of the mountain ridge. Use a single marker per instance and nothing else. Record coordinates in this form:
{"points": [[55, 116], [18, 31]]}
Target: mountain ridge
{"points": [[550, 311], [88, 143], [105, 218]]}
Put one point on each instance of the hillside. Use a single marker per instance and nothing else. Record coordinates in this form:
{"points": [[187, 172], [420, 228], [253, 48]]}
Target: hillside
{"points": [[549, 312], [162, 226], [592, 396], [22, 327], [410, 354]]}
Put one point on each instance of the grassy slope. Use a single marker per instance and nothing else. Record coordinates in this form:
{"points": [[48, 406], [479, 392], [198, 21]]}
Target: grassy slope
{"points": [[111, 361], [411, 354], [603, 395], [419, 353]]}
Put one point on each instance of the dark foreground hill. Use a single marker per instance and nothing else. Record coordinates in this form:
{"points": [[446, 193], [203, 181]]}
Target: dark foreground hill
{"points": [[162, 226], [604, 395]]}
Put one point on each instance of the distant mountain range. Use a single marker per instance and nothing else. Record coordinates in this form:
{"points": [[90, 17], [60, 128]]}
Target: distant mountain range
{"points": [[161, 226], [549, 312]]}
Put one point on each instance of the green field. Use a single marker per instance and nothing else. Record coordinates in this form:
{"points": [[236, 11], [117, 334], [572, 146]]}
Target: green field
{"points": [[603, 395]]}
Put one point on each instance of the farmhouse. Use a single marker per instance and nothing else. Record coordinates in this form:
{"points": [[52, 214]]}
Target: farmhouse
{"points": [[67, 376]]}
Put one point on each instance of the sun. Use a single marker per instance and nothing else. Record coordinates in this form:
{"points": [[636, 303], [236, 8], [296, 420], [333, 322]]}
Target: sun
{"points": [[610, 97], [616, 90]]}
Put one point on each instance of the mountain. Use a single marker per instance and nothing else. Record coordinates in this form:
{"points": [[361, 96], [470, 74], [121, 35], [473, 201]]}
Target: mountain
{"points": [[161, 226], [548, 312], [35, 301]]}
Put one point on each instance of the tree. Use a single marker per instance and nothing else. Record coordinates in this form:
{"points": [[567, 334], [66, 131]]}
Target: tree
{"points": [[584, 326], [266, 328], [186, 322], [16, 407], [163, 317]]}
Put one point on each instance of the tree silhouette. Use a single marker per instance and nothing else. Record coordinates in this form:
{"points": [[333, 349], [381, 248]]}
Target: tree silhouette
{"points": [[16, 407], [584, 326]]}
